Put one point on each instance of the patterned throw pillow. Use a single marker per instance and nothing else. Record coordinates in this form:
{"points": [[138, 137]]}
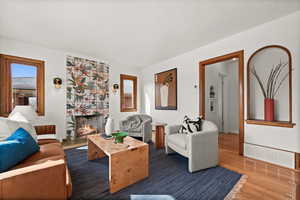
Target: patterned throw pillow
{"points": [[191, 126]]}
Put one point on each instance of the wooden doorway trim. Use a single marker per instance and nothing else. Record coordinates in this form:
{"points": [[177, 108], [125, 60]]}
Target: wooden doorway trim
{"points": [[240, 56]]}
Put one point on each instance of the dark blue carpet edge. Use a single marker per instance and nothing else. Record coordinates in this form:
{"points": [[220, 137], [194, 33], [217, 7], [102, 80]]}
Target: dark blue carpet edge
{"points": [[168, 176]]}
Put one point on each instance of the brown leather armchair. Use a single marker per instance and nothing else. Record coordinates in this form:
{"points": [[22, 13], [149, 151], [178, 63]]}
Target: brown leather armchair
{"points": [[44, 175]]}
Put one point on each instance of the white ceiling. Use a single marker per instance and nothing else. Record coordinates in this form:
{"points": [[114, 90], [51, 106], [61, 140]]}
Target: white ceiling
{"points": [[134, 33]]}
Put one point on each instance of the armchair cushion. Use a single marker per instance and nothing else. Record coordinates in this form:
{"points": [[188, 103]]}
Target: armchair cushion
{"points": [[179, 140], [51, 151]]}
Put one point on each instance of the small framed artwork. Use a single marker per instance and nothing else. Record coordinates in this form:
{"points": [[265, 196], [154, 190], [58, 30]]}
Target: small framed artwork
{"points": [[166, 90], [212, 105]]}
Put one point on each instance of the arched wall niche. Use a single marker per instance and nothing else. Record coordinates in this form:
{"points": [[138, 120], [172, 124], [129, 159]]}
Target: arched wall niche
{"points": [[269, 87]]}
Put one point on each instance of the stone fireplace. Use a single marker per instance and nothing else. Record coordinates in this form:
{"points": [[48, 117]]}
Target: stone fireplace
{"points": [[87, 92], [90, 124]]}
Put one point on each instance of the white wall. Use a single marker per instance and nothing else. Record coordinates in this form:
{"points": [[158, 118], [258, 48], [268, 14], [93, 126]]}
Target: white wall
{"points": [[55, 65], [284, 31]]}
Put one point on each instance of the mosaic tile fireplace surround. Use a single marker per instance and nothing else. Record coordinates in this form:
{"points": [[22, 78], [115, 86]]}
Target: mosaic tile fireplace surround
{"points": [[87, 96]]}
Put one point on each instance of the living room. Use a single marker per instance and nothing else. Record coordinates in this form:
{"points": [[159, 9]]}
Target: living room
{"points": [[83, 83]]}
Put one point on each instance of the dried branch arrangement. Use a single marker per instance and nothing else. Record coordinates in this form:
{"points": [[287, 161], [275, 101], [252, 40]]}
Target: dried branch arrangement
{"points": [[273, 81]]}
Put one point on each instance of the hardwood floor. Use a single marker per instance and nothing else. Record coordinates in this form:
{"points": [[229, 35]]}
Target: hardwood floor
{"points": [[264, 180], [229, 142]]}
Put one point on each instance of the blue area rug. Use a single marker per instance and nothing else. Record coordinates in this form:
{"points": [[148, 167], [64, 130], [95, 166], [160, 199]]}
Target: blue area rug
{"points": [[169, 179]]}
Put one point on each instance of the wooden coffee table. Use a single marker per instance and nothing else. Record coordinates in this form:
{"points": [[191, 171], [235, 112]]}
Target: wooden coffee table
{"points": [[128, 162]]}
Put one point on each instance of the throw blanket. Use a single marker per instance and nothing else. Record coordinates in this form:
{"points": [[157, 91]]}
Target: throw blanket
{"points": [[132, 123]]}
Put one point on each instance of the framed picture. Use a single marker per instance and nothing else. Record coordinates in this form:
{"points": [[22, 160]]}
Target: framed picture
{"points": [[166, 90]]}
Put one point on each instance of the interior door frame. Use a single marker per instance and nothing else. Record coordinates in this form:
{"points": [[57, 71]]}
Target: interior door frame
{"points": [[240, 56]]}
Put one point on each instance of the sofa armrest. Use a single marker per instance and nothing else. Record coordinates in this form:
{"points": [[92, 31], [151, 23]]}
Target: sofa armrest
{"points": [[45, 129], [203, 149], [42, 181], [173, 129], [203, 138]]}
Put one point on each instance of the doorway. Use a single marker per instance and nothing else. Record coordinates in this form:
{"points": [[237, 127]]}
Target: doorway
{"points": [[214, 96]]}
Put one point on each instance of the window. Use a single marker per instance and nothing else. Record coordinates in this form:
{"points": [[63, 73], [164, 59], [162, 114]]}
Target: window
{"points": [[22, 83], [128, 93]]}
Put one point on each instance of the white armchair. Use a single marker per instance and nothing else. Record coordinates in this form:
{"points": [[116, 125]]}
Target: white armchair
{"points": [[138, 125], [201, 148]]}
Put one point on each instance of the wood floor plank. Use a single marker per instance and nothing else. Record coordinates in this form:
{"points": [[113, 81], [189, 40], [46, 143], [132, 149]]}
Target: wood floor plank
{"points": [[265, 181]]}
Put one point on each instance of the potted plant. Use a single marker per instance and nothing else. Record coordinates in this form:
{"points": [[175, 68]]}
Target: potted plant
{"points": [[119, 137], [270, 90]]}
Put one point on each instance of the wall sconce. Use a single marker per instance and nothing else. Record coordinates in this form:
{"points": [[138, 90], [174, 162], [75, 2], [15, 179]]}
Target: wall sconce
{"points": [[115, 88], [57, 82]]}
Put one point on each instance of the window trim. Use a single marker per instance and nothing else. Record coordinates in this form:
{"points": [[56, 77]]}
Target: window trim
{"points": [[122, 103], [5, 83]]}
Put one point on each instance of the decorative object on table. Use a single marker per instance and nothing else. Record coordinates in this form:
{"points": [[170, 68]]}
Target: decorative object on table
{"points": [[119, 137], [109, 126], [87, 91], [166, 90], [57, 82], [191, 126], [115, 88], [270, 87], [138, 125]]}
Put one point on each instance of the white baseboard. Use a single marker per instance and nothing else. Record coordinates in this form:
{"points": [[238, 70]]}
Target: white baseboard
{"points": [[275, 156]]}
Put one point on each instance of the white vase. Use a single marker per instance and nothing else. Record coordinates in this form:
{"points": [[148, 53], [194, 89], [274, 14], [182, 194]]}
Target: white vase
{"points": [[164, 94], [109, 126]]}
